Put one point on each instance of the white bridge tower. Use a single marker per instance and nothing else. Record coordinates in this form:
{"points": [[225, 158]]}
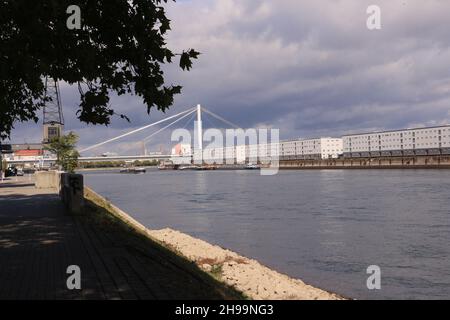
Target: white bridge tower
{"points": [[198, 153]]}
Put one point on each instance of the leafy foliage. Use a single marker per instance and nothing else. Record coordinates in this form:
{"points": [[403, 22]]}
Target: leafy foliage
{"points": [[101, 164], [119, 49], [116, 164], [64, 148], [146, 163]]}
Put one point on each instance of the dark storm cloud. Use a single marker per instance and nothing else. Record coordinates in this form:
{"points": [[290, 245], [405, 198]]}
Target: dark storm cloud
{"points": [[313, 67], [310, 68]]}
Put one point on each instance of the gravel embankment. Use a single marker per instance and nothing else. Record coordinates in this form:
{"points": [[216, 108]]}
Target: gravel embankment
{"points": [[247, 275]]}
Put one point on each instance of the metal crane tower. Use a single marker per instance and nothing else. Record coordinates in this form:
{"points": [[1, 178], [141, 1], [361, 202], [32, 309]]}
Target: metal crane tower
{"points": [[53, 116]]}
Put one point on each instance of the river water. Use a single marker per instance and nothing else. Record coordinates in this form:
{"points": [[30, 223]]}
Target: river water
{"points": [[324, 227]]}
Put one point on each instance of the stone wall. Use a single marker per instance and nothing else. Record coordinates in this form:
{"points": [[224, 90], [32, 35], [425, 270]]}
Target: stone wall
{"points": [[72, 192], [47, 180], [69, 186], [421, 162]]}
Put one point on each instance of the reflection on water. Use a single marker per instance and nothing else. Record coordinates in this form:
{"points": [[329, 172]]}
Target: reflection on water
{"points": [[325, 227]]}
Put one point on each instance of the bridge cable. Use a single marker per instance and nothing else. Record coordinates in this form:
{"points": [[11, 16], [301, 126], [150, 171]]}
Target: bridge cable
{"points": [[135, 131], [212, 125], [189, 121], [170, 124], [221, 119]]}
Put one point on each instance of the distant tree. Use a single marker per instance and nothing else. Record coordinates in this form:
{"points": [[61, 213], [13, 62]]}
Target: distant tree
{"points": [[64, 148], [119, 48], [101, 164], [149, 163]]}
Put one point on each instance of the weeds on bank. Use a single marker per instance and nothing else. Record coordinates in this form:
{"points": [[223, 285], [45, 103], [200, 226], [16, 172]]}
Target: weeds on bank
{"points": [[217, 271], [215, 266]]}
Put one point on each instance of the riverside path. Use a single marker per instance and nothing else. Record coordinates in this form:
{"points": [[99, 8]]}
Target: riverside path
{"points": [[39, 241]]}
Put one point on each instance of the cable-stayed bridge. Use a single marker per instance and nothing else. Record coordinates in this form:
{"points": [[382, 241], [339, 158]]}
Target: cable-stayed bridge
{"points": [[168, 122], [178, 117]]}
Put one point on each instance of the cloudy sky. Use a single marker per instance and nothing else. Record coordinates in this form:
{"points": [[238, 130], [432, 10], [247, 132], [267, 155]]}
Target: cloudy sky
{"points": [[309, 68]]}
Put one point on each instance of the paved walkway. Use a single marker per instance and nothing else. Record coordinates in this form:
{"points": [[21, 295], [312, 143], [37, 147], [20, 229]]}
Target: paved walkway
{"points": [[38, 241]]}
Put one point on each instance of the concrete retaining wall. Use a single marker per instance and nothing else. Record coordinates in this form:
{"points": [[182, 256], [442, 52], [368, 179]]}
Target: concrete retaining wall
{"points": [[69, 186], [425, 162], [47, 180], [72, 192]]}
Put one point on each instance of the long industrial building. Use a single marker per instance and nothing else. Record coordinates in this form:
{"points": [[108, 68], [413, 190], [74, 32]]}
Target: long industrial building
{"points": [[407, 142], [304, 149], [297, 149], [427, 141]]}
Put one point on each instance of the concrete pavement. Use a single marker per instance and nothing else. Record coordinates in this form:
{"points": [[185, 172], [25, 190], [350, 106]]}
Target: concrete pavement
{"points": [[39, 241]]}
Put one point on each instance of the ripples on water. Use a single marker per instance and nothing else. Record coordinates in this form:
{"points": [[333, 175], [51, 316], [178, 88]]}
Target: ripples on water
{"points": [[325, 227]]}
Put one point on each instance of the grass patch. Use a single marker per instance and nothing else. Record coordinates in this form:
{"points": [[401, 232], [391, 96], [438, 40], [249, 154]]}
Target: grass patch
{"points": [[217, 271]]}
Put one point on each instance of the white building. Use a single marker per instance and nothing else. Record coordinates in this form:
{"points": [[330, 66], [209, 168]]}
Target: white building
{"points": [[181, 154], [236, 154], [320, 148], [182, 149], [419, 141]]}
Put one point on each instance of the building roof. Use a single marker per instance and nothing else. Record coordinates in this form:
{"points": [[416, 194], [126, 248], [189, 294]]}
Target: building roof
{"points": [[28, 153], [396, 130], [307, 139], [27, 146]]}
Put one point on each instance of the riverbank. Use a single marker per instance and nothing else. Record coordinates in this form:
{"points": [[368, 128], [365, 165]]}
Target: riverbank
{"points": [[415, 162], [108, 169], [248, 276], [98, 169], [40, 240]]}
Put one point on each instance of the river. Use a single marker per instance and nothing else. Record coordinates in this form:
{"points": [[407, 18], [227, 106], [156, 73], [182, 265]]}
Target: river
{"points": [[325, 227]]}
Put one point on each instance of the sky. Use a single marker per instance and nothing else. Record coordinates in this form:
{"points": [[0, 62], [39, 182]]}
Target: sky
{"points": [[308, 68]]}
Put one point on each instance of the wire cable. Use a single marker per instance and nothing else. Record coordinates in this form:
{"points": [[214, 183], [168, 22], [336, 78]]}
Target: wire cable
{"points": [[170, 124], [135, 131], [221, 119]]}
